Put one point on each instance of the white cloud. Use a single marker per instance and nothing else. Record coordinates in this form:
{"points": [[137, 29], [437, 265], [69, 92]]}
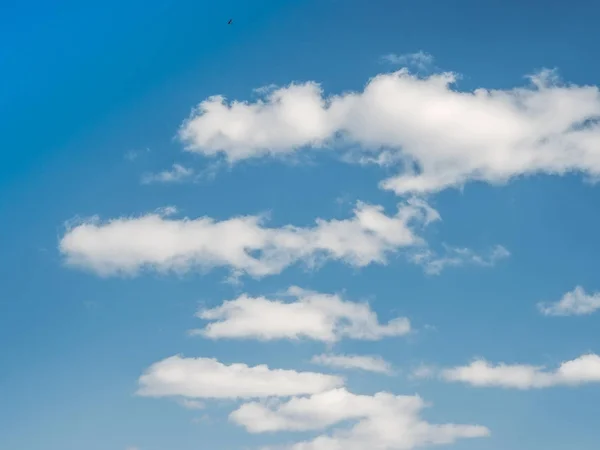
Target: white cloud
{"points": [[190, 404], [574, 303], [312, 315], [360, 362], [383, 421], [194, 378], [244, 244], [455, 257], [480, 373], [451, 136], [178, 173], [420, 60]]}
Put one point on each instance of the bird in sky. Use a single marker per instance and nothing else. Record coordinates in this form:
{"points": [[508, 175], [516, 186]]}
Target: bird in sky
{"points": [[230, 20]]}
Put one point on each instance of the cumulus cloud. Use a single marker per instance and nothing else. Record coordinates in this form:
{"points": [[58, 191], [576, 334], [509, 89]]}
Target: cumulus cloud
{"points": [[194, 378], [311, 315], [243, 244], [444, 137], [176, 174], [382, 421], [480, 373], [455, 257], [574, 303], [355, 362]]}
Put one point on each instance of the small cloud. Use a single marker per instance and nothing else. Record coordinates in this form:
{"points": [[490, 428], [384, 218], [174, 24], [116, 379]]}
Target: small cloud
{"points": [[456, 257], [419, 60], [264, 90], [191, 404], [574, 303], [177, 173], [355, 362], [166, 211]]}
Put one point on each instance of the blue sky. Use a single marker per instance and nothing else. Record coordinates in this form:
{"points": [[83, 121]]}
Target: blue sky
{"points": [[92, 101]]}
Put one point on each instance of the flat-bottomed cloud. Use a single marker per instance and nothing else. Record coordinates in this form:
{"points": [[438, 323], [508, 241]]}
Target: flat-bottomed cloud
{"points": [[194, 378], [310, 315]]}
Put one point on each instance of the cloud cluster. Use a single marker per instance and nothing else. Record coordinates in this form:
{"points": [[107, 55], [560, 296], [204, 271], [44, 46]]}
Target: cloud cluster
{"points": [[382, 421], [243, 244], [195, 378], [444, 137], [573, 303], [311, 315], [480, 373]]}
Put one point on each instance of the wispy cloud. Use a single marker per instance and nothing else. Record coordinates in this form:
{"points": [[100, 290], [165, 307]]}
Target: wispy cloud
{"points": [[177, 173], [455, 257], [355, 362], [419, 60]]}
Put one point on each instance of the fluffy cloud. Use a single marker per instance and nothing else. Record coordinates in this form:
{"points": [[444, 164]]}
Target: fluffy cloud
{"points": [[574, 303], [312, 315], [383, 421], [444, 137], [244, 244], [480, 373], [208, 378], [360, 362], [176, 174]]}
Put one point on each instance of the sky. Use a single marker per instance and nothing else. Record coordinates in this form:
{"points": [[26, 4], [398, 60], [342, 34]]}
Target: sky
{"points": [[327, 226]]}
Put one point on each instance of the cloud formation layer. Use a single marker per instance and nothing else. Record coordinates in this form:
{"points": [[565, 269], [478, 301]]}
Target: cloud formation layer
{"points": [[442, 136]]}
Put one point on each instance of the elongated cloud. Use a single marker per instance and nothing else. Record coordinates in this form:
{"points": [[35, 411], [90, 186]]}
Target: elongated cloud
{"points": [[480, 373], [451, 136], [454, 257], [384, 421], [574, 303], [354, 362], [311, 315], [194, 378], [243, 244], [177, 173]]}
